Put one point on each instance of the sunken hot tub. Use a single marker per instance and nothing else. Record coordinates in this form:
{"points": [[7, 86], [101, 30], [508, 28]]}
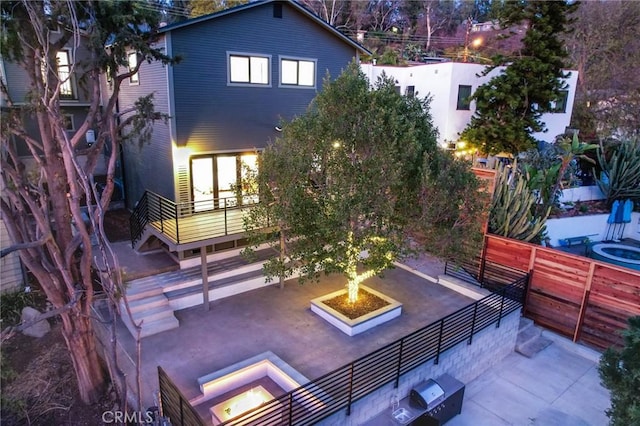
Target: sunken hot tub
{"points": [[618, 254]]}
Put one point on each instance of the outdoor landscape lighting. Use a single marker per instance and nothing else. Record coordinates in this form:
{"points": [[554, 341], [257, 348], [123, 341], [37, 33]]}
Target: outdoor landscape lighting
{"points": [[244, 402]]}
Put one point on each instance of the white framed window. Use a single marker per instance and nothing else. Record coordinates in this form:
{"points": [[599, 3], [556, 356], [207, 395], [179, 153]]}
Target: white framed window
{"points": [[298, 72], [133, 63], [246, 69], [63, 63]]}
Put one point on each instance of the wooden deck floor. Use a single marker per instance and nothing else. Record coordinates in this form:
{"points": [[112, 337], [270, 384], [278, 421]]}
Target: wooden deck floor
{"points": [[202, 226]]}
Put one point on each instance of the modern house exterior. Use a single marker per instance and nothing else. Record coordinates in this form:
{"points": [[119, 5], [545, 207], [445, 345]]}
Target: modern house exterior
{"points": [[451, 83], [242, 71]]}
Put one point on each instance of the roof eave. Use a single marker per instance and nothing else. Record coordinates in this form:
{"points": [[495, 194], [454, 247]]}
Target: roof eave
{"points": [[250, 5]]}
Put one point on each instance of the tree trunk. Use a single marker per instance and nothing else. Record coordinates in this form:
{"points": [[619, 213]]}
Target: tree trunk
{"points": [[78, 333]]}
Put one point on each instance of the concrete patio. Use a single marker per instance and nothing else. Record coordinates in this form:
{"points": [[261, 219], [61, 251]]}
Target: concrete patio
{"points": [[558, 386], [271, 319]]}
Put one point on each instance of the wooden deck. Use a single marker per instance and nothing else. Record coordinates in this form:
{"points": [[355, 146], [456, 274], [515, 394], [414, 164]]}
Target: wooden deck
{"points": [[201, 226]]}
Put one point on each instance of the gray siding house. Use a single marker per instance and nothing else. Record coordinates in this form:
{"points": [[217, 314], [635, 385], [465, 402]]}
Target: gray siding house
{"points": [[243, 71]]}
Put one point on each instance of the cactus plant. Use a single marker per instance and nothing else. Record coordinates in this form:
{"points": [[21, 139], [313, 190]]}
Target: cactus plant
{"points": [[622, 170], [512, 208]]}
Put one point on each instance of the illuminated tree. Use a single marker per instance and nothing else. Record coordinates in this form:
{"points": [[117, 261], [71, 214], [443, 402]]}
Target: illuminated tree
{"points": [[343, 183]]}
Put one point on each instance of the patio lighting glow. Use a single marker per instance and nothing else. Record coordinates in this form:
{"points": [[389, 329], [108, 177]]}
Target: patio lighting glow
{"points": [[181, 155], [231, 379], [242, 403]]}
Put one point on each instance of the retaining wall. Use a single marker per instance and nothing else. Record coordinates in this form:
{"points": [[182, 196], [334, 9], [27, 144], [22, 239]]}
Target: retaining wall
{"points": [[464, 362]]}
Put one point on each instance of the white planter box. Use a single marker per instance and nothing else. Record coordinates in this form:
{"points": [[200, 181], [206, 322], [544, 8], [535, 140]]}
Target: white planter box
{"points": [[352, 327]]}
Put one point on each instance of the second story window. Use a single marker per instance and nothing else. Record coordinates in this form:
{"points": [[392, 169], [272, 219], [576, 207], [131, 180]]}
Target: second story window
{"points": [[298, 72], [248, 69], [464, 98], [63, 62], [133, 62]]}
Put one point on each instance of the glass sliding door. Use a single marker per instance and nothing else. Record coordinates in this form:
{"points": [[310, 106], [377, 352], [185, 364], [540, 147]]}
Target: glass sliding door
{"points": [[248, 169], [202, 183], [227, 179], [222, 181]]}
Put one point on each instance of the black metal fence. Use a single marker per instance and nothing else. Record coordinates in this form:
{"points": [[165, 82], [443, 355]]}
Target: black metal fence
{"points": [[175, 407], [483, 273], [339, 389]]}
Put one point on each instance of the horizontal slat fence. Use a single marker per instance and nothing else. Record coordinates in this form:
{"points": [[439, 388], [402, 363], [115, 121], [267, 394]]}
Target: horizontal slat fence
{"points": [[581, 298]]}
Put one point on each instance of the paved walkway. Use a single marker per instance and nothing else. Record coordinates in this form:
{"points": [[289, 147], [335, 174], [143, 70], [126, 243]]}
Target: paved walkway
{"points": [[559, 386]]}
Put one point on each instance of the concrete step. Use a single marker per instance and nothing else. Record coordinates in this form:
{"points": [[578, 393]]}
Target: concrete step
{"points": [[153, 314], [152, 320], [158, 326], [144, 291], [197, 287], [530, 340], [147, 303]]}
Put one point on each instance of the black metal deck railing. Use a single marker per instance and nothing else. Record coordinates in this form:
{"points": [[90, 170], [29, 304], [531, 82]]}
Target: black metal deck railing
{"points": [[189, 222], [340, 388], [483, 273]]}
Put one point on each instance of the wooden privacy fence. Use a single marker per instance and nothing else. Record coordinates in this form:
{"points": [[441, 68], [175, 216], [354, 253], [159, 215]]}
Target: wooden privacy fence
{"points": [[581, 298]]}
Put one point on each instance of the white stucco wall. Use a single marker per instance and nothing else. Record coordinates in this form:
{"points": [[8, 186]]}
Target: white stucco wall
{"points": [[441, 81], [581, 193], [594, 226]]}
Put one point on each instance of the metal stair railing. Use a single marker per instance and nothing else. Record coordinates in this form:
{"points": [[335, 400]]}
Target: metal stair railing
{"points": [[138, 220]]}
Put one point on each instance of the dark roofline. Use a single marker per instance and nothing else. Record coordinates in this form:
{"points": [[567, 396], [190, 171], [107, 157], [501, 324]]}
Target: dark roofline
{"points": [[256, 3]]}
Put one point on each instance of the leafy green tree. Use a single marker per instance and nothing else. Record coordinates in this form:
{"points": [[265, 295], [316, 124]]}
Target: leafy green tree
{"points": [[206, 7], [620, 373], [509, 106], [608, 92], [452, 205], [41, 204], [345, 179]]}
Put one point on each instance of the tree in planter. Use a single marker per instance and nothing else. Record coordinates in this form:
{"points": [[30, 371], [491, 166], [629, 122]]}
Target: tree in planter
{"points": [[41, 206], [620, 373], [345, 179], [509, 106]]}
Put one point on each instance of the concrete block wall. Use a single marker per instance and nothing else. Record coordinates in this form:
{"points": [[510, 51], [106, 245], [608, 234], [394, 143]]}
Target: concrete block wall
{"points": [[464, 362]]}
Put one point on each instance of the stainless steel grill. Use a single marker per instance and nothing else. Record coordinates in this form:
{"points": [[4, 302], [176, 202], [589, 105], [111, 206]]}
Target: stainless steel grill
{"points": [[441, 400], [427, 395]]}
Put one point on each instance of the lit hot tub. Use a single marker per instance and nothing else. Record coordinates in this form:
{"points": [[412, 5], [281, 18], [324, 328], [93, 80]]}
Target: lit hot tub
{"points": [[618, 254]]}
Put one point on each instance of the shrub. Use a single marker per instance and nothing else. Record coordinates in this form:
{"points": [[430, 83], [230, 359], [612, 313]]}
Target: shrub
{"points": [[621, 168], [620, 373]]}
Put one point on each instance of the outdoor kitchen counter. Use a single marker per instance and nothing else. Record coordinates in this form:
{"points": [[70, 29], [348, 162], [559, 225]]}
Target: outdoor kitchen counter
{"points": [[386, 419]]}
